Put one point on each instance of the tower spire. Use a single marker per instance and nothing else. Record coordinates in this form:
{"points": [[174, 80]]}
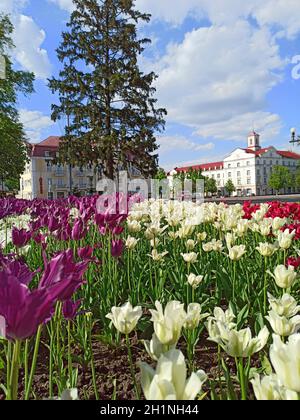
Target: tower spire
{"points": [[253, 141]]}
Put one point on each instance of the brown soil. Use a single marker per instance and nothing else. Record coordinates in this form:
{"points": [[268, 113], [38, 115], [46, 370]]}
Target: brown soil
{"points": [[113, 372]]}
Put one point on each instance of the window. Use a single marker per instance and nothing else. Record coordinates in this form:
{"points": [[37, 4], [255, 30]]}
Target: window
{"points": [[60, 194], [248, 163], [219, 175], [248, 173], [239, 182], [47, 154], [229, 165], [248, 181], [50, 195], [238, 174], [258, 171], [238, 165], [229, 174], [60, 182]]}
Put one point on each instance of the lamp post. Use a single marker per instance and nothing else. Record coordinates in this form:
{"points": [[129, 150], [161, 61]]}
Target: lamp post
{"points": [[295, 139]]}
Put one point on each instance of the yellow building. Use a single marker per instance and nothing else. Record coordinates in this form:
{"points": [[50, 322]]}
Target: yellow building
{"points": [[42, 179]]}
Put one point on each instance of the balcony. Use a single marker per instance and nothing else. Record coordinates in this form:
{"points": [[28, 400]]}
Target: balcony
{"points": [[59, 173], [59, 186]]}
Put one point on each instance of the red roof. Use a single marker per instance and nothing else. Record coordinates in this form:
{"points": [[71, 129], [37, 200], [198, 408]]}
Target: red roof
{"points": [[49, 145], [204, 167], [290, 155], [283, 153], [52, 141], [258, 152]]}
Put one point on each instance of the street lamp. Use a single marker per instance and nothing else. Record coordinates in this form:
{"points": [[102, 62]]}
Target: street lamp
{"points": [[295, 139]]}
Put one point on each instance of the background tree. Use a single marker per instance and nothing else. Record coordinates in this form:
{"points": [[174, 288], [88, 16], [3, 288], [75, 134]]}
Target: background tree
{"points": [[13, 153], [109, 102], [230, 188], [160, 174], [297, 176], [210, 186], [280, 178]]}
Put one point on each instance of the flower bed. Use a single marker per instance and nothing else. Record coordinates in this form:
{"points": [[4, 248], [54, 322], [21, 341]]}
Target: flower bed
{"points": [[170, 300]]}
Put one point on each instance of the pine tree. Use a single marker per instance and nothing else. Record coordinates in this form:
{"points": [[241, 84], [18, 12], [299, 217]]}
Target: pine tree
{"points": [[112, 114], [13, 150]]}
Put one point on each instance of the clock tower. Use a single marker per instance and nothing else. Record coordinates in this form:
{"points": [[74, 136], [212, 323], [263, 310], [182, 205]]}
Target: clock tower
{"points": [[253, 141]]}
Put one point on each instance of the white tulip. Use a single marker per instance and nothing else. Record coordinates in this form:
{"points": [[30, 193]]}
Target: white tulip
{"points": [[266, 249], [201, 236], [226, 317], [285, 239], [269, 388], [194, 316], [190, 258], [265, 227], [156, 256], [190, 244], [230, 239], [194, 280], [125, 318], [168, 381], [285, 359], [284, 277], [155, 348], [237, 252], [134, 226], [285, 306], [242, 227], [131, 242], [282, 325], [168, 324], [240, 343], [278, 223]]}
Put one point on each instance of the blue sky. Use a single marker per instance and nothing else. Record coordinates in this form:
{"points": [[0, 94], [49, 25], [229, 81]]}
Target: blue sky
{"points": [[225, 67]]}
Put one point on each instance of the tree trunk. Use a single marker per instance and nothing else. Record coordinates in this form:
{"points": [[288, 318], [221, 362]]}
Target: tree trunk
{"points": [[110, 159]]}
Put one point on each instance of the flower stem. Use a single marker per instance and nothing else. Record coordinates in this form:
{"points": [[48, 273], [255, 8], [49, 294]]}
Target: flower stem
{"points": [[14, 374], [137, 393], [34, 361]]}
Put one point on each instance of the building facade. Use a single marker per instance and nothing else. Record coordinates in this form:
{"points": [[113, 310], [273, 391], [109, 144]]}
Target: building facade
{"points": [[249, 169], [42, 179]]}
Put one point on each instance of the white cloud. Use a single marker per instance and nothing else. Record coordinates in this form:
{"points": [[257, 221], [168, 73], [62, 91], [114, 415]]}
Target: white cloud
{"points": [[28, 39], [219, 74], [67, 5], [283, 14], [173, 143], [34, 122], [237, 127], [12, 6]]}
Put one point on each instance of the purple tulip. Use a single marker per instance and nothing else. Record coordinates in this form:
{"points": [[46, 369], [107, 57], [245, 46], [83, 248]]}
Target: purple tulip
{"points": [[20, 237], [25, 310], [117, 247], [64, 273], [22, 309], [85, 253], [19, 269], [117, 230], [70, 309], [78, 231]]}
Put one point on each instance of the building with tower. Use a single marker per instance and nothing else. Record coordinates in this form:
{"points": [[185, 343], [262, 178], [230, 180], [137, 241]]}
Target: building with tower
{"points": [[249, 168]]}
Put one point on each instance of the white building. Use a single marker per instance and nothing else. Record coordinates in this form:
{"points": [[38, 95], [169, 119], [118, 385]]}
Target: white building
{"points": [[249, 169]]}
